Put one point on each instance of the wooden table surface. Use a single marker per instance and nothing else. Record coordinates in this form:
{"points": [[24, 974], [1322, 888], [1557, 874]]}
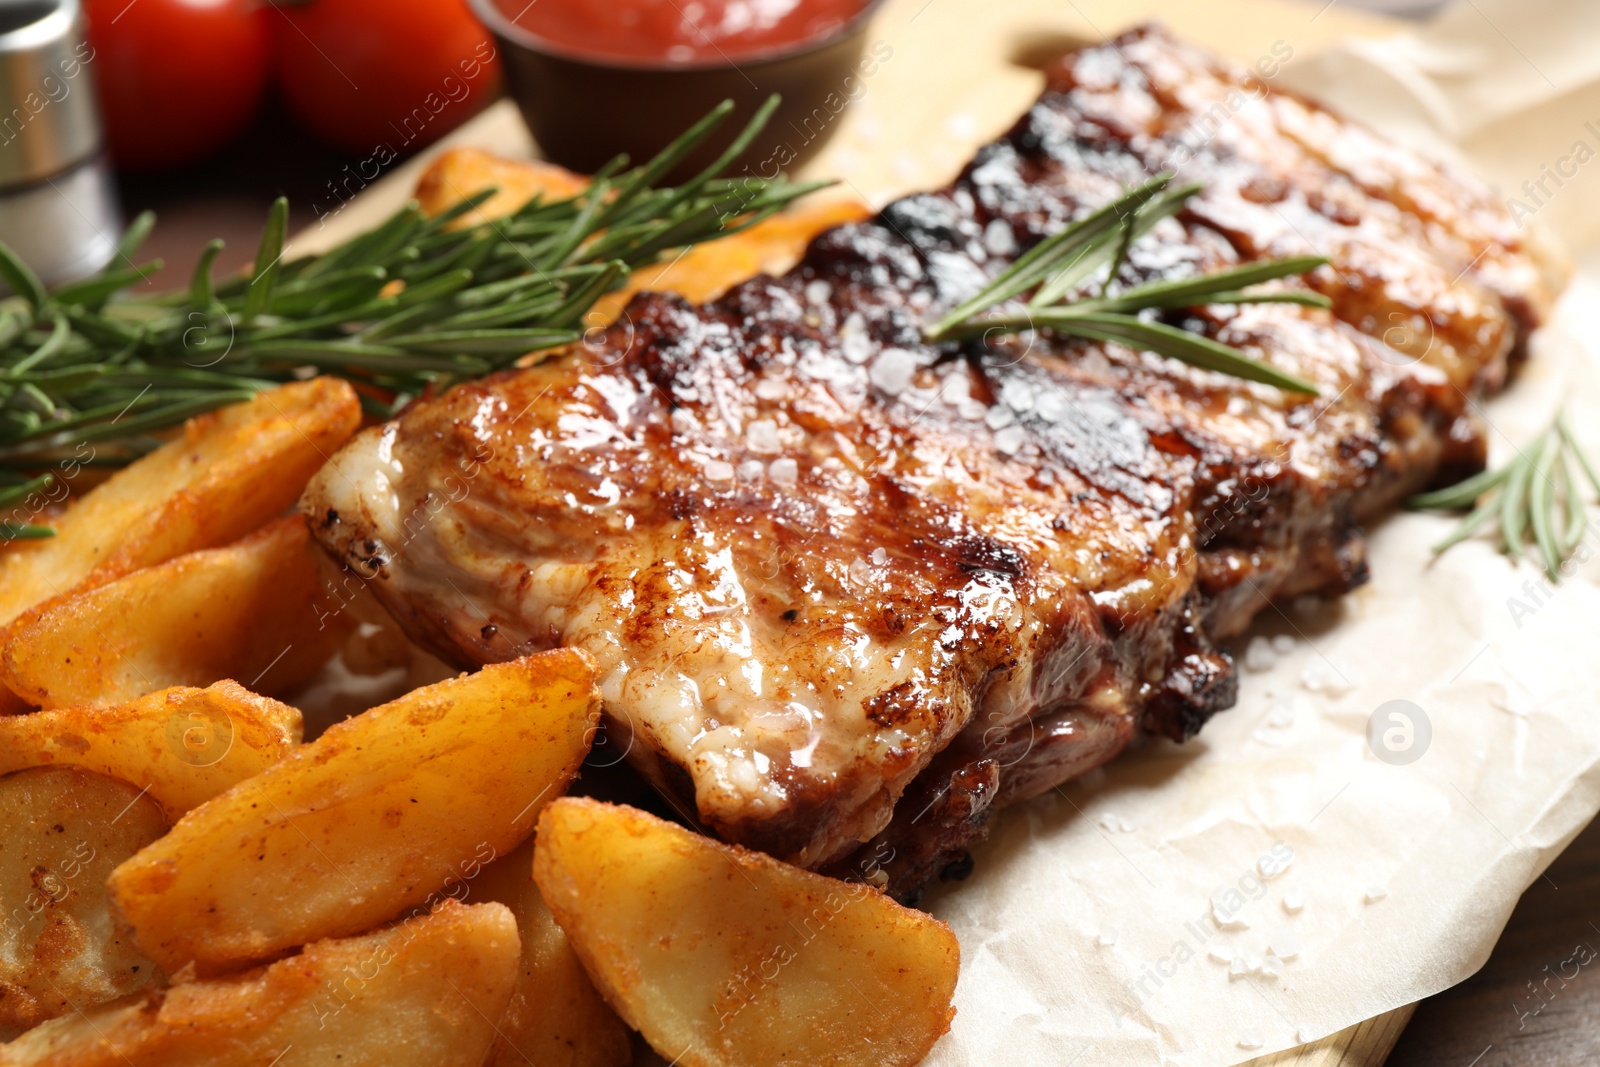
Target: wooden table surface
{"points": [[1535, 1004]]}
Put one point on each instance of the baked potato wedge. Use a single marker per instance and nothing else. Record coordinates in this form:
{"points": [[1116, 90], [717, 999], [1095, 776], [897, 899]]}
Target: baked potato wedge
{"points": [[62, 831], [181, 746], [556, 1017], [721, 956], [255, 610], [373, 818], [697, 274], [424, 993], [460, 172], [231, 471]]}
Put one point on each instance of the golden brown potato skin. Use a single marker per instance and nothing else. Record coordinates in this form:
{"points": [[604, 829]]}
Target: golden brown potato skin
{"points": [[700, 273], [255, 610], [62, 831], [376, 816], [458, 173], [183, 746], [420, 994], [556, 1017], [231, 471], [723, 957]]}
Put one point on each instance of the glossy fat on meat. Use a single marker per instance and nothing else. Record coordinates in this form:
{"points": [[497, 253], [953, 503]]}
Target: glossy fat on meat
{"points": [[850, 592]]}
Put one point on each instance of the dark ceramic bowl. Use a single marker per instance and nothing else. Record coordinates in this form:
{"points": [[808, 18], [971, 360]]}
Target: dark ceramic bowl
{"points": [[584, 110]]}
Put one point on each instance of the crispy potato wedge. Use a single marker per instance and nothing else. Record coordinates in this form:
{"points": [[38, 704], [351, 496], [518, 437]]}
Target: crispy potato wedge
{"points": [[231, 471], [708, 270], [255, 610], [723, 956], [369, 820], [460, 172], [555, 1018], [181, 746], [701, 273], [424, 993], [62, 831]]}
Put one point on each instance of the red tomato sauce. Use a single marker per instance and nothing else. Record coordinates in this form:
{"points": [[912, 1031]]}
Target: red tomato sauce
{"points": [[680, 31]]}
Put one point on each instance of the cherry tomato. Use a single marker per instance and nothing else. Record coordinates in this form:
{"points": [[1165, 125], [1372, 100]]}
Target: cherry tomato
{"points": [[383, 76], [177, 79]]}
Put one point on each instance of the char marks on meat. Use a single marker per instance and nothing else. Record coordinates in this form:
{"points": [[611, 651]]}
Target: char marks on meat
{"points": [[849, 593]]}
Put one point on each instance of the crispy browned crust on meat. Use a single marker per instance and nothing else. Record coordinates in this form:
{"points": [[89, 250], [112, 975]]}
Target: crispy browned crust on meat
{"points": [[851, 592]]}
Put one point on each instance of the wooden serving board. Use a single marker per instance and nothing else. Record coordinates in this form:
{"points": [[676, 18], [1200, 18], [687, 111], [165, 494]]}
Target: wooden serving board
{"points": [[1366, 1044], [959, 74]]}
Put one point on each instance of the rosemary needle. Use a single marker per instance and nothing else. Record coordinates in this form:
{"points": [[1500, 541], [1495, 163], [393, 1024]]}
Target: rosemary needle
{"points": [[402, 310], [1060, 264], [1538, 493]]}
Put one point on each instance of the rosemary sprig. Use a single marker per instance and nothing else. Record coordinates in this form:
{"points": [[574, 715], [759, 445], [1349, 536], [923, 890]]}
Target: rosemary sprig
{"points": [[1537, 497], [406, 308], [18, 487], [1060, 265]]}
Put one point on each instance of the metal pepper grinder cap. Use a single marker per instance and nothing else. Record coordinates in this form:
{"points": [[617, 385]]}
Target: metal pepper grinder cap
{"points": [[58, 209]]}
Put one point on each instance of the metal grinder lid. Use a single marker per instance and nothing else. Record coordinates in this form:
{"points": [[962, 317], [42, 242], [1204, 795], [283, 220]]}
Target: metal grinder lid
{"points": [[48, 117]]}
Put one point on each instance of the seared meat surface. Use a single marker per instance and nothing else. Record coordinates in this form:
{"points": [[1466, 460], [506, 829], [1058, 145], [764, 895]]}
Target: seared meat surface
{"points": [[848, 591]]}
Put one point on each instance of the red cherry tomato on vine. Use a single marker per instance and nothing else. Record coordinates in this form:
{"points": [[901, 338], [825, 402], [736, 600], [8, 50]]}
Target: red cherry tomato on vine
{"points": [[376, 75], [177, 79]]}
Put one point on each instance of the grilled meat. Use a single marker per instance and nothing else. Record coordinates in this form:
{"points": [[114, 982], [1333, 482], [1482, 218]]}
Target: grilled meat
{"points": [[850, 592]]}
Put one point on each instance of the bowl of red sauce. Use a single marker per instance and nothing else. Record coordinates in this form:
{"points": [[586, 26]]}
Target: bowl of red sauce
{"points": [[599, 78]]}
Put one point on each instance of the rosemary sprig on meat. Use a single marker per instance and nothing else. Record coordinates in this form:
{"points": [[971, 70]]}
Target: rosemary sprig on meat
{"points": [[409, 307], [1537, 497], [1059, 268]]}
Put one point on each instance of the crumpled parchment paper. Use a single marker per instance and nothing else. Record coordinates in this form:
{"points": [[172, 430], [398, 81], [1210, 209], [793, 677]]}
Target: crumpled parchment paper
{"points": [[1154, 914]]}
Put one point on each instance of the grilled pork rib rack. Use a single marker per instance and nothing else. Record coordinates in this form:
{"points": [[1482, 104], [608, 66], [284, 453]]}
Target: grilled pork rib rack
{"points": [[850, 593]]}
